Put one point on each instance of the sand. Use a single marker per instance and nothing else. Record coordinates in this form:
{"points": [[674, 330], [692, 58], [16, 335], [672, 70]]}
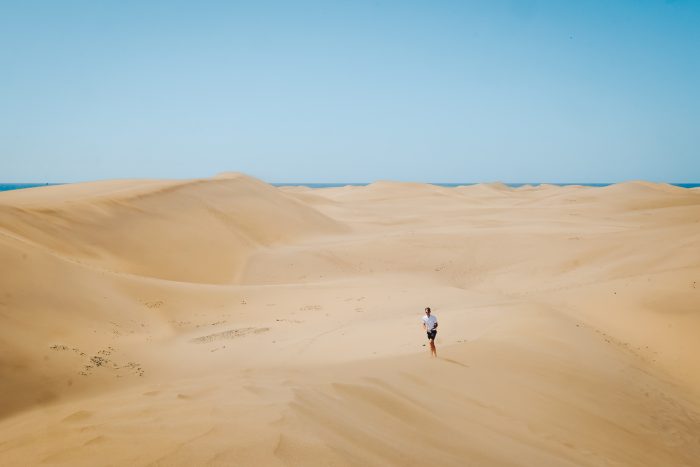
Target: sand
{"points": [[224, 321]]}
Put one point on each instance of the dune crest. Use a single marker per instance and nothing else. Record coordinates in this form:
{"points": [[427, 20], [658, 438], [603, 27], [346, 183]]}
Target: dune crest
{"points": [[188, 231]]}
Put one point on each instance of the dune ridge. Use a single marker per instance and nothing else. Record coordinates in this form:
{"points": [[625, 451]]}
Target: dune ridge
{"points": [[224, 321], [119, 226]]}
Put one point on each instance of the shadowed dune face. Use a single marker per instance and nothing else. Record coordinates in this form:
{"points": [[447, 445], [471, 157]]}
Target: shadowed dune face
{"points": [[228, 322]]}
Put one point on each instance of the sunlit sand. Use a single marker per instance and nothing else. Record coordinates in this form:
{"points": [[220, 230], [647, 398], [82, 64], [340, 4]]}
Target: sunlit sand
{"points": [[228, 322]]}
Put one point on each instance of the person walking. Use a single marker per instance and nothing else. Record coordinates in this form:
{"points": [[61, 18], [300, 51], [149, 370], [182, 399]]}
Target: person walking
{"points": [[430, 325]]}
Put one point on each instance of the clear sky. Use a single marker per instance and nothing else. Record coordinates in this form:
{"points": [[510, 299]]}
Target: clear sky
{"points": [[343, 91]]}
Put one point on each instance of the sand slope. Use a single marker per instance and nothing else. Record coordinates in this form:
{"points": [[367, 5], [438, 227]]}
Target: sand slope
{"points": [[135, 227], [227, 322]]}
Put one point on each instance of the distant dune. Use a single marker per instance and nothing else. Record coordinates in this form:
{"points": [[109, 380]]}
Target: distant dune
{"points": [[224, 321], [136, 227]]}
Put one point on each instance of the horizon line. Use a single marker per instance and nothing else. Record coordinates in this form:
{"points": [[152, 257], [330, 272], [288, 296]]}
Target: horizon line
{"points": [[374, 181]]}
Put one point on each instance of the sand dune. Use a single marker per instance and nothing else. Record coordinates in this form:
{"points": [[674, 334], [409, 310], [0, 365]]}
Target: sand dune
{"points": [[136, 227], [227, 322]]}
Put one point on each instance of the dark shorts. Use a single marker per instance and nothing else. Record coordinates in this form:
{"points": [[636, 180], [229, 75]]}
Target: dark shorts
{"points": [[431, 334]]}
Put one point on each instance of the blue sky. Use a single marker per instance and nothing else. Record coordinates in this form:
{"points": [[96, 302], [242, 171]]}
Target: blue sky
{"points": [[342, 91]]}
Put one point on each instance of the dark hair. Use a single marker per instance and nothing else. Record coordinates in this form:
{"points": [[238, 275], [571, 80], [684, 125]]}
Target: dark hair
{"points": [[427, 308]]}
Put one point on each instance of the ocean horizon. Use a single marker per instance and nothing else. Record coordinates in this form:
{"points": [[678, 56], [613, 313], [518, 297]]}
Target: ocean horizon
{"points": [[19, 186]]}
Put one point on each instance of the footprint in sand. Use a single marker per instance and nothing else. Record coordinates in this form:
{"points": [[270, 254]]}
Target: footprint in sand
{"points": [[230, 334], [153, 304], [102, 359]]}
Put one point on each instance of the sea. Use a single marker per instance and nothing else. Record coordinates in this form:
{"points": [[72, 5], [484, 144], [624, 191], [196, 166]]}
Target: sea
{"points": [[18, 186]]}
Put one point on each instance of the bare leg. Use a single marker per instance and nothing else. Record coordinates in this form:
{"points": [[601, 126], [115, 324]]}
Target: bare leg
{"points": [[433, 351]]}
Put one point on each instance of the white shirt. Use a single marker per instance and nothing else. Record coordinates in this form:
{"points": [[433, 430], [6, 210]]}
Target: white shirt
{"points": [[430, 322]]}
